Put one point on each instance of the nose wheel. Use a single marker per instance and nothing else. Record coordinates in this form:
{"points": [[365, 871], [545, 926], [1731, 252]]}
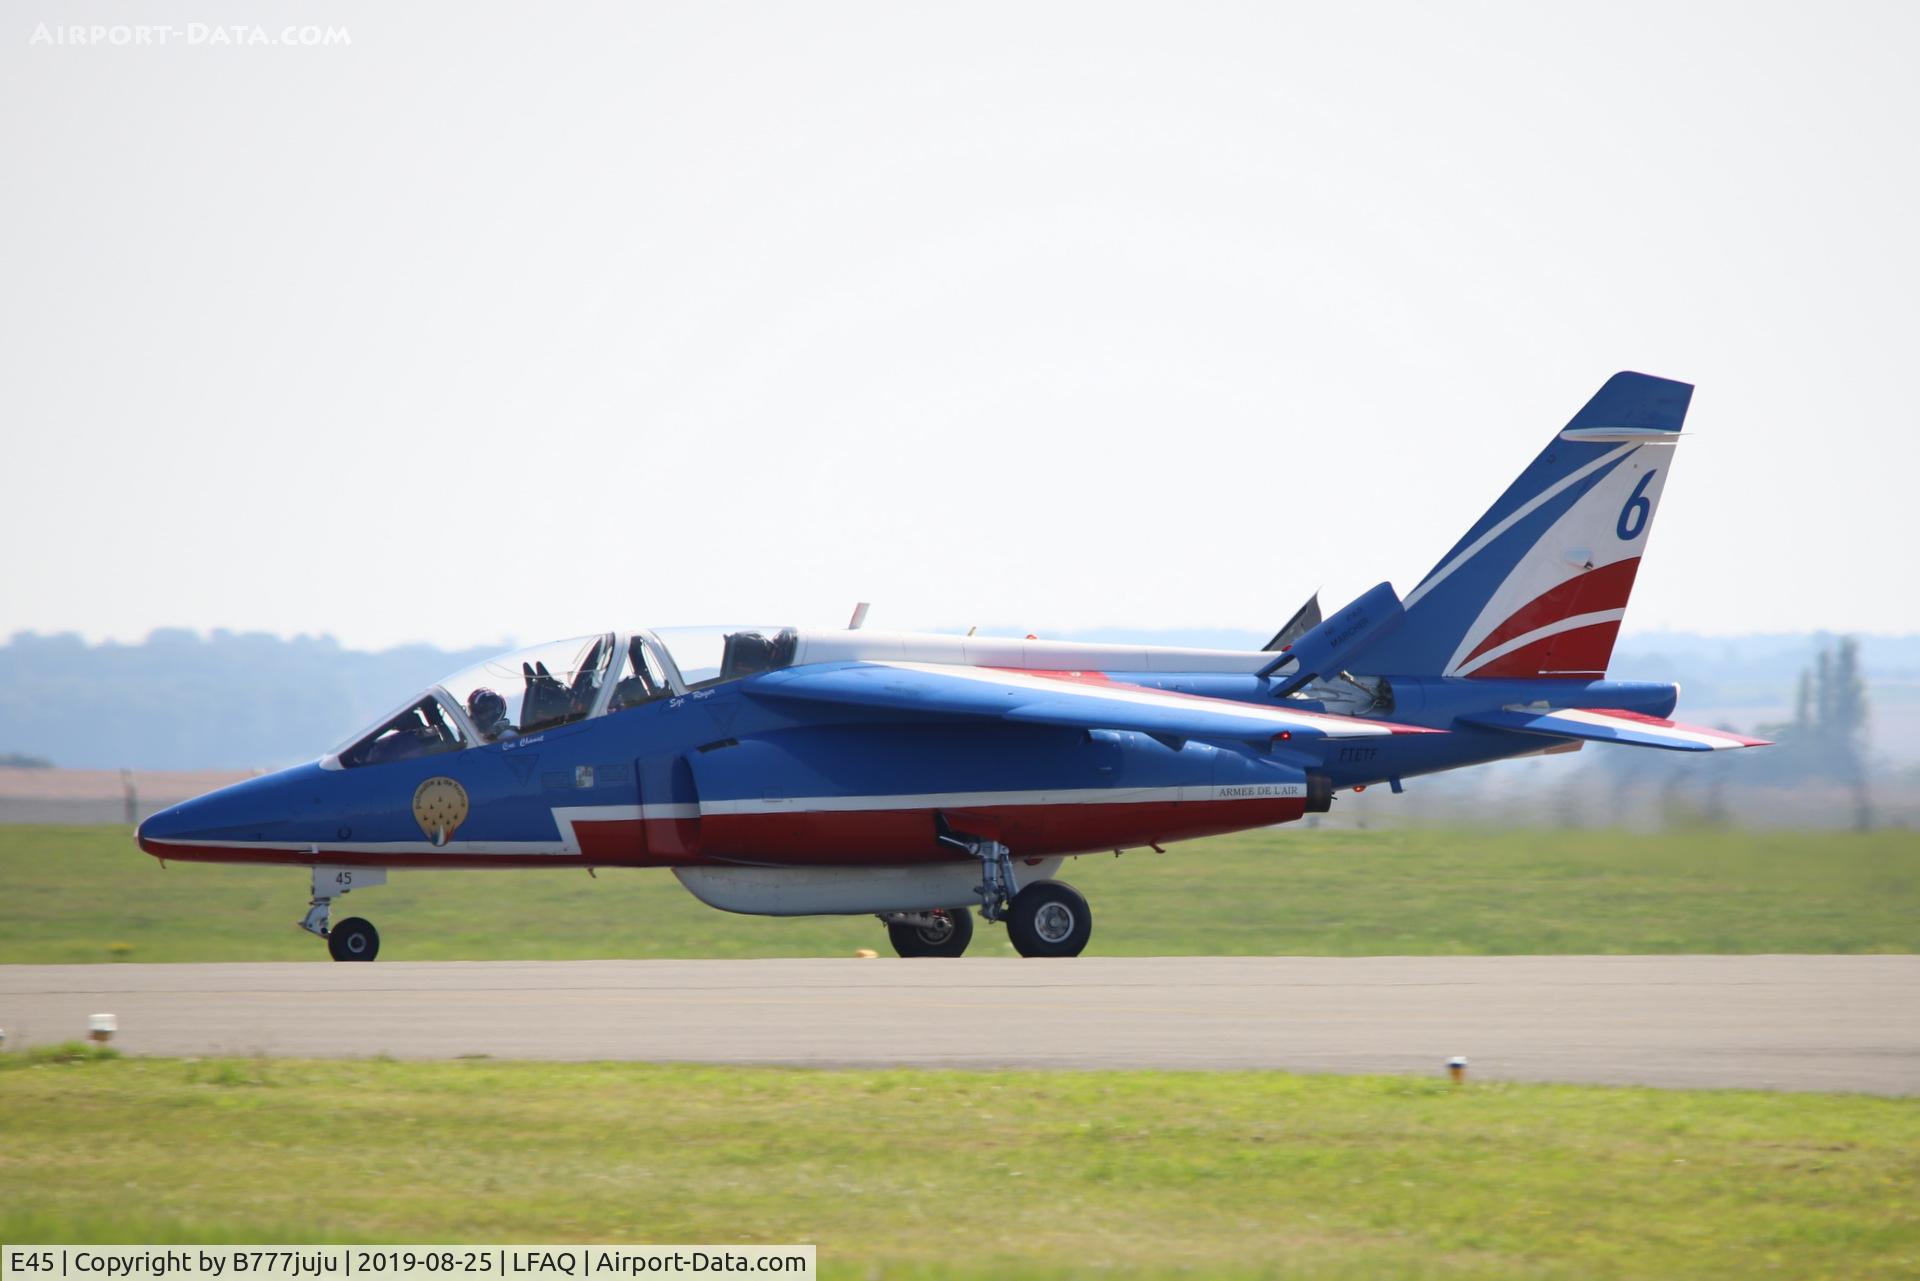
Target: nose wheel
{"points": [[354, 939]]}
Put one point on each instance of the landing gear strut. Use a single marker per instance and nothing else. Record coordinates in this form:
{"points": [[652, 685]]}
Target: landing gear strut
{"points": [[1047, 918], [354, 939], [997, 886]]}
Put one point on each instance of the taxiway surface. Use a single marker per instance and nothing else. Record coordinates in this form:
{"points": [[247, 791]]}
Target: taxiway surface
{"points": [[1774, 1022]]}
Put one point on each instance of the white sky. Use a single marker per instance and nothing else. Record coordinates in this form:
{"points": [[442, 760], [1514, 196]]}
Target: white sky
{"points": [[507, 322]]}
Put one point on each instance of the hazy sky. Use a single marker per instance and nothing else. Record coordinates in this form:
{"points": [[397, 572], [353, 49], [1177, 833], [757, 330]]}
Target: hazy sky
{"points": [[513, 322]]}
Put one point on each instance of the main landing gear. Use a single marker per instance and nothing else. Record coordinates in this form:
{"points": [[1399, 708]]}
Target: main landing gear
{"points": [[945, 931], [1047, 918], [353, 939]]}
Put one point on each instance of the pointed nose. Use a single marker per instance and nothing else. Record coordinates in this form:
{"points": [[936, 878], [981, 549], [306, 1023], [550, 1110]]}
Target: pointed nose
{"points": [[172, 824], [230, 821]]}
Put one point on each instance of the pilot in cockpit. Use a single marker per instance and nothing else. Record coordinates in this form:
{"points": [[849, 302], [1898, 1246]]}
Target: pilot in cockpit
{"points": [[488, 712]]}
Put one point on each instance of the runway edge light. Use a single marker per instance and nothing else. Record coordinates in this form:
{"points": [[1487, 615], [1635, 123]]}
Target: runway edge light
{"points": [[101, 1027], [1457, 1068]]}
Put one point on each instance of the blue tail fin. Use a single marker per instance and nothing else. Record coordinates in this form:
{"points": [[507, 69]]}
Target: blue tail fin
{"points": [[1538, 586]]}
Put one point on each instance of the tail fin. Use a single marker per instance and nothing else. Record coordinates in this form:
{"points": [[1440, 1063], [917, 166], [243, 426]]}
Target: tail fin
{"points": [[1538, 586]]}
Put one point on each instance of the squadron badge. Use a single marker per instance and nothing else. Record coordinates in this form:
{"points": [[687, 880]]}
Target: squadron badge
{"points": [[439, 807]]}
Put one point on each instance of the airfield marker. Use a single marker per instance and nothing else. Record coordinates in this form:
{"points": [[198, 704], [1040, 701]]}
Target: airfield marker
{"points": [[101, 1027], [1457, 1068]]}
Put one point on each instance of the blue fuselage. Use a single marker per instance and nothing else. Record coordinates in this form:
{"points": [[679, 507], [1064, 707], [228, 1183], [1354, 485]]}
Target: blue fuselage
{"points": [[721, 775]]}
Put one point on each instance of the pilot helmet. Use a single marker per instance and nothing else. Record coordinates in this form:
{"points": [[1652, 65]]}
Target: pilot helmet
{"points": [[486, 707]]}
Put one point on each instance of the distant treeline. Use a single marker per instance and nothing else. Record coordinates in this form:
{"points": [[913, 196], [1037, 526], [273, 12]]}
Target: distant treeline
{"points": [[180, 700]]}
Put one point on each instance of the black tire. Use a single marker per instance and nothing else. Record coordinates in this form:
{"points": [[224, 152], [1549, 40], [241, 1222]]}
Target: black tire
{"points": [[354, 939], [1049, 918], [926, 940]]}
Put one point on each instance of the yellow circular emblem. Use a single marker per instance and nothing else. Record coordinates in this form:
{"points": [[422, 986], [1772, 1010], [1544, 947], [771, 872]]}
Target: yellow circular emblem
{"points": [[439, 807]]}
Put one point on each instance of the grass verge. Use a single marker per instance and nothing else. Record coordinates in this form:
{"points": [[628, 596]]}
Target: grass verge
{"points": [[1123, 1174], [78, 894]]}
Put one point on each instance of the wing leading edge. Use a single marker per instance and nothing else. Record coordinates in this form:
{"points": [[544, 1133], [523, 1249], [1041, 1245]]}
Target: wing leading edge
{"points": [[1083, 700]]}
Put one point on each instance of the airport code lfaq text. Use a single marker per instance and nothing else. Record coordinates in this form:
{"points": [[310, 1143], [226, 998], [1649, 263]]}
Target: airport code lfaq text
{"points": [[497, 1263]]}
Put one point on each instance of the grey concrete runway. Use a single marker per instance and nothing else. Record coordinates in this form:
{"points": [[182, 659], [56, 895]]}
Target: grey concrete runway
{"points": [[1776, 1022]]}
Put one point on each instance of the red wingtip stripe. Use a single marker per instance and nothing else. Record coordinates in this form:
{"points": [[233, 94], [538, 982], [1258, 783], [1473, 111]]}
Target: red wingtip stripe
{"points": [[1659, 723]]}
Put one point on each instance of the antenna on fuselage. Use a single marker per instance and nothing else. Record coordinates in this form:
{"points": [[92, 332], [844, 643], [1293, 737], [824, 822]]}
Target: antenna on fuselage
{"points": [[859, 617], [1304, 620]]}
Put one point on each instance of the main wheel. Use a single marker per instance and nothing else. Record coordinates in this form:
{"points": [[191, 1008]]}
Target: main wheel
{"points": [[354, 939], [948, 936], [1049, 918]]}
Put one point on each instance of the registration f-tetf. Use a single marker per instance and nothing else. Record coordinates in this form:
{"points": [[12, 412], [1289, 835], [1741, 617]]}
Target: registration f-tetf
{"points": [[788, 772]]}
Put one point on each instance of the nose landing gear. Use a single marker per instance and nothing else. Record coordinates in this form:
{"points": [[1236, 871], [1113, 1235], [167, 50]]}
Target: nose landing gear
{"points": [[354, 939]]}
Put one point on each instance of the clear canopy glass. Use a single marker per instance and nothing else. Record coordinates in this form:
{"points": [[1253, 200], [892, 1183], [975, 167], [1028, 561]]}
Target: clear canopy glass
{"points": [[423, 728], [711, 655], [552, 684], [640, 677], [534, 688]]}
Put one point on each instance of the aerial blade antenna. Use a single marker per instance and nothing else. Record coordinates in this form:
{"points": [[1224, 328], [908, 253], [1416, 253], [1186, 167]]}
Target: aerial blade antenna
{"points": [[1304, 620], [859, 617]]}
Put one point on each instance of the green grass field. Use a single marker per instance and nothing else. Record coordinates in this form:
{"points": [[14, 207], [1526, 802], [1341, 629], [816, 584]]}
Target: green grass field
{"points": [[1119, 1174], [72, 894], [1018, 1175]]}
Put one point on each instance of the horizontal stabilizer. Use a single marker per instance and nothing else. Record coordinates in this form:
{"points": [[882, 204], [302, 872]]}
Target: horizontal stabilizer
{"points": [[1611, 725], [1085, 700]]}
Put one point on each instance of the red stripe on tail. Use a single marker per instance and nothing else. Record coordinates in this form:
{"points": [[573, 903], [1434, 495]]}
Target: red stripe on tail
{"points": [[1588, 593], [1580, 653]]}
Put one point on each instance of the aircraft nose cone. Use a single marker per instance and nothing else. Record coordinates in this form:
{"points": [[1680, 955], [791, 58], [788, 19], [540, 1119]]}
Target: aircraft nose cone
{"points": [[257, 813], [170, 824]]}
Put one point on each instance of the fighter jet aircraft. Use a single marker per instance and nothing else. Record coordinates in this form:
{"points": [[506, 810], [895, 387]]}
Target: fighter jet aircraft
{"points": [[915, 777]]}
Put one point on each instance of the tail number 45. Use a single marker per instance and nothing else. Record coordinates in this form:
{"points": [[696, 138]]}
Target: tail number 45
{"points": [[1639, 508]]}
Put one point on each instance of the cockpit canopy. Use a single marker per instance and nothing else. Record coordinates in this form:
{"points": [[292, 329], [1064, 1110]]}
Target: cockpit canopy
{"points": [[544, 686]]}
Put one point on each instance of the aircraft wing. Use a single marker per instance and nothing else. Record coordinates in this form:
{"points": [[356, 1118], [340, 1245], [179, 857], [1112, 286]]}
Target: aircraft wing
{"points": [[1611, 725], [1085, 700]]}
